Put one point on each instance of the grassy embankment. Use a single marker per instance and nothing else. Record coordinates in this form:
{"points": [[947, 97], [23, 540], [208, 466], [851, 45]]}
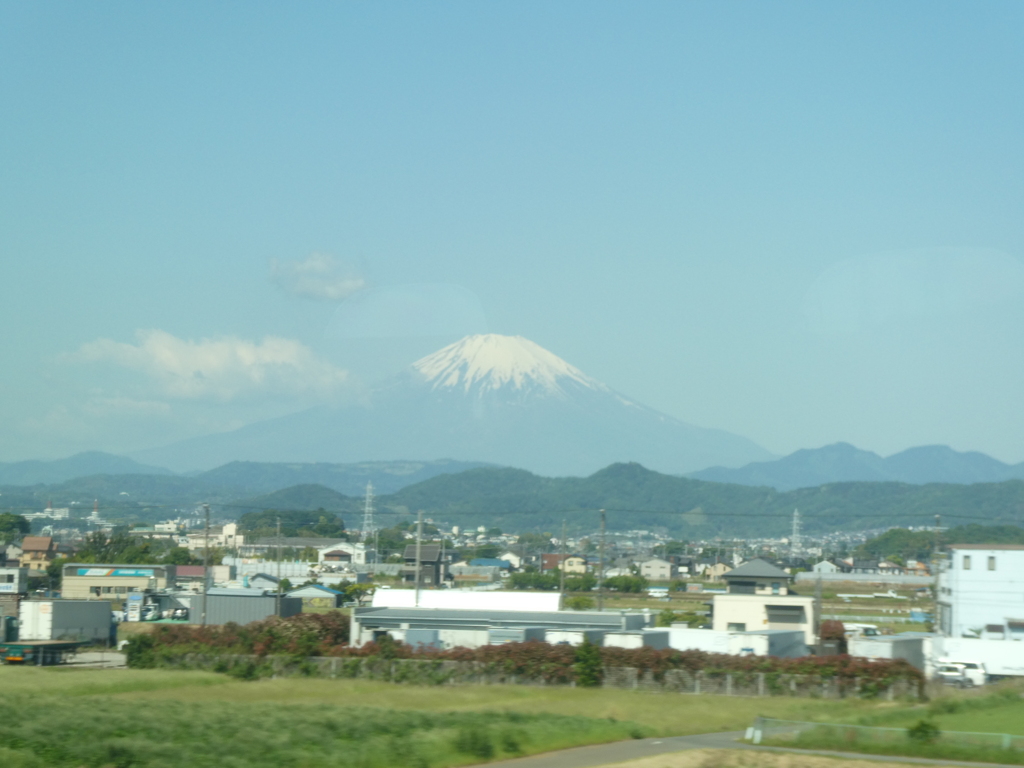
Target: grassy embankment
{"points": [[999, 711], [140, 718]]}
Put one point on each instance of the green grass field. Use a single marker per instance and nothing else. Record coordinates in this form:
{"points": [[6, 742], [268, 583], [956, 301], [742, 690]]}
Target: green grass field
{"points": [[999, 709], [165, 719], [969, 725]]}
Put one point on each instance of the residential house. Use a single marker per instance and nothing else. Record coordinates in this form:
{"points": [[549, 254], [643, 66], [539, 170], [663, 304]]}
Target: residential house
{"points": [[576, 564], [357, 552], [826, 566], [716, 571], [759, 598], [37, 552], [657, 569], [263, 581], [757, 577], [431, 565]]}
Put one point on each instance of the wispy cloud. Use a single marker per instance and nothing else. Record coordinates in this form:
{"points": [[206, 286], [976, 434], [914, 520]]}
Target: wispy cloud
{"points": [[318, 276], [222, 368]]}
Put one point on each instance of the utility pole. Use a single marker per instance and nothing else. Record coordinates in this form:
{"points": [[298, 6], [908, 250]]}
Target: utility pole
{"points": [[795, 544], [817, 608], [369, 527], [419, 544], [561, 571], [278, 601], [206, 560], [600, 574]]}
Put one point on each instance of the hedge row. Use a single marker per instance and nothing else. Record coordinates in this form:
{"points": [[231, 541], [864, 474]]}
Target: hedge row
{"points": [[319, 635]]}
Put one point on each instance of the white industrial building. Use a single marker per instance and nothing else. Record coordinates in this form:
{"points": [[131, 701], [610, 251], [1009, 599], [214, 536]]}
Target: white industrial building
{"points": [[981, 592], [788, 644], [456, 618]]}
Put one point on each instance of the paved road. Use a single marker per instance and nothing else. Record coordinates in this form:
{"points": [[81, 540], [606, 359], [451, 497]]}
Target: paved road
{"points": [[103, 659], [620, 751]]}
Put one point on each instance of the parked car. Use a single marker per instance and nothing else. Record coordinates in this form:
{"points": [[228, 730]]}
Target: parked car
{"points": [[974, 671], [953, 674]]}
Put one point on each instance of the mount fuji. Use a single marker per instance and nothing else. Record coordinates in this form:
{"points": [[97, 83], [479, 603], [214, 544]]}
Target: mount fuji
{"points": [[487, 398]]}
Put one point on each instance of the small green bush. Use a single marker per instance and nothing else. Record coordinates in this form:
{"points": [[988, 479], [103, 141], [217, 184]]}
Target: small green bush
{"points": [[589, 667], [139, 653], [476, 742], [923, 732]]}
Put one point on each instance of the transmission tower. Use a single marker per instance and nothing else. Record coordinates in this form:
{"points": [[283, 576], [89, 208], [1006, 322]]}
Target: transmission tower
{"points": [[794, 539], [368, 527]]}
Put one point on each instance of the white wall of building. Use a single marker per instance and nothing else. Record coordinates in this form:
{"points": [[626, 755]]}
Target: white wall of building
{"points": [[646, 638], [467, 600], [750, 613], [981, 585], [355, 549]]}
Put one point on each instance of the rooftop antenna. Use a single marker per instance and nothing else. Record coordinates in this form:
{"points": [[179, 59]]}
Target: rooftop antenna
{"points": [[794, 540], [368, 527]]}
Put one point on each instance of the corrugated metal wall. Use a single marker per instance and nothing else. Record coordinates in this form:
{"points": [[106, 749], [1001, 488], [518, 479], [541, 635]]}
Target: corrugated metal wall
{"points": [[222, 609]]}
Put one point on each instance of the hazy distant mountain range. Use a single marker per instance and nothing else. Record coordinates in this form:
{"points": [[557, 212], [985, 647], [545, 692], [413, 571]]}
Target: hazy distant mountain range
{"points": [[105, 475], [497, 399], [843, 463], [517, 500], [79, 465]]}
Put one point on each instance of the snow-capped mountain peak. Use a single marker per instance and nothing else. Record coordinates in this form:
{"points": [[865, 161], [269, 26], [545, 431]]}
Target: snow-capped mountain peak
{"points": [[491, 361]]}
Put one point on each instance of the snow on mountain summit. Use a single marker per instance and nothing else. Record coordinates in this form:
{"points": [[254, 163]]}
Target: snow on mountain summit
{"points": [[491, 361]]}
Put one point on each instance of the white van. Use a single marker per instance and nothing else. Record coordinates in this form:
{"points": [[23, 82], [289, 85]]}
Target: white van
{"points": [[860, 630]]}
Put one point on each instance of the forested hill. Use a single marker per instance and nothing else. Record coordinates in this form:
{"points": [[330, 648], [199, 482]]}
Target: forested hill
{"points": [[516, 500], [635, 497]]}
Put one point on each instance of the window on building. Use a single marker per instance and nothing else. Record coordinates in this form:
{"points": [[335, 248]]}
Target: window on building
{"points": [[736, 627], [775, 587], [107, 590], [9, 578], [967, 562], [120, 590], [991, 563]]}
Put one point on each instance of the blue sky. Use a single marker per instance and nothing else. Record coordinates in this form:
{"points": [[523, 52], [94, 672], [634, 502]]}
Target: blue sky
{"points": [[796, 221]]}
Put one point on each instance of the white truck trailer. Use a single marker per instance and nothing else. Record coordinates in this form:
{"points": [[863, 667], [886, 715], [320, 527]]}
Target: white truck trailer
{"points": [[79, 620]]}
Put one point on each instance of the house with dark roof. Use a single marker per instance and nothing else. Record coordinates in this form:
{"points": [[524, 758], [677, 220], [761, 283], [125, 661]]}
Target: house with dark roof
{"points": [[757, 577], [431, 565], [759, 598], [263, 581]]}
